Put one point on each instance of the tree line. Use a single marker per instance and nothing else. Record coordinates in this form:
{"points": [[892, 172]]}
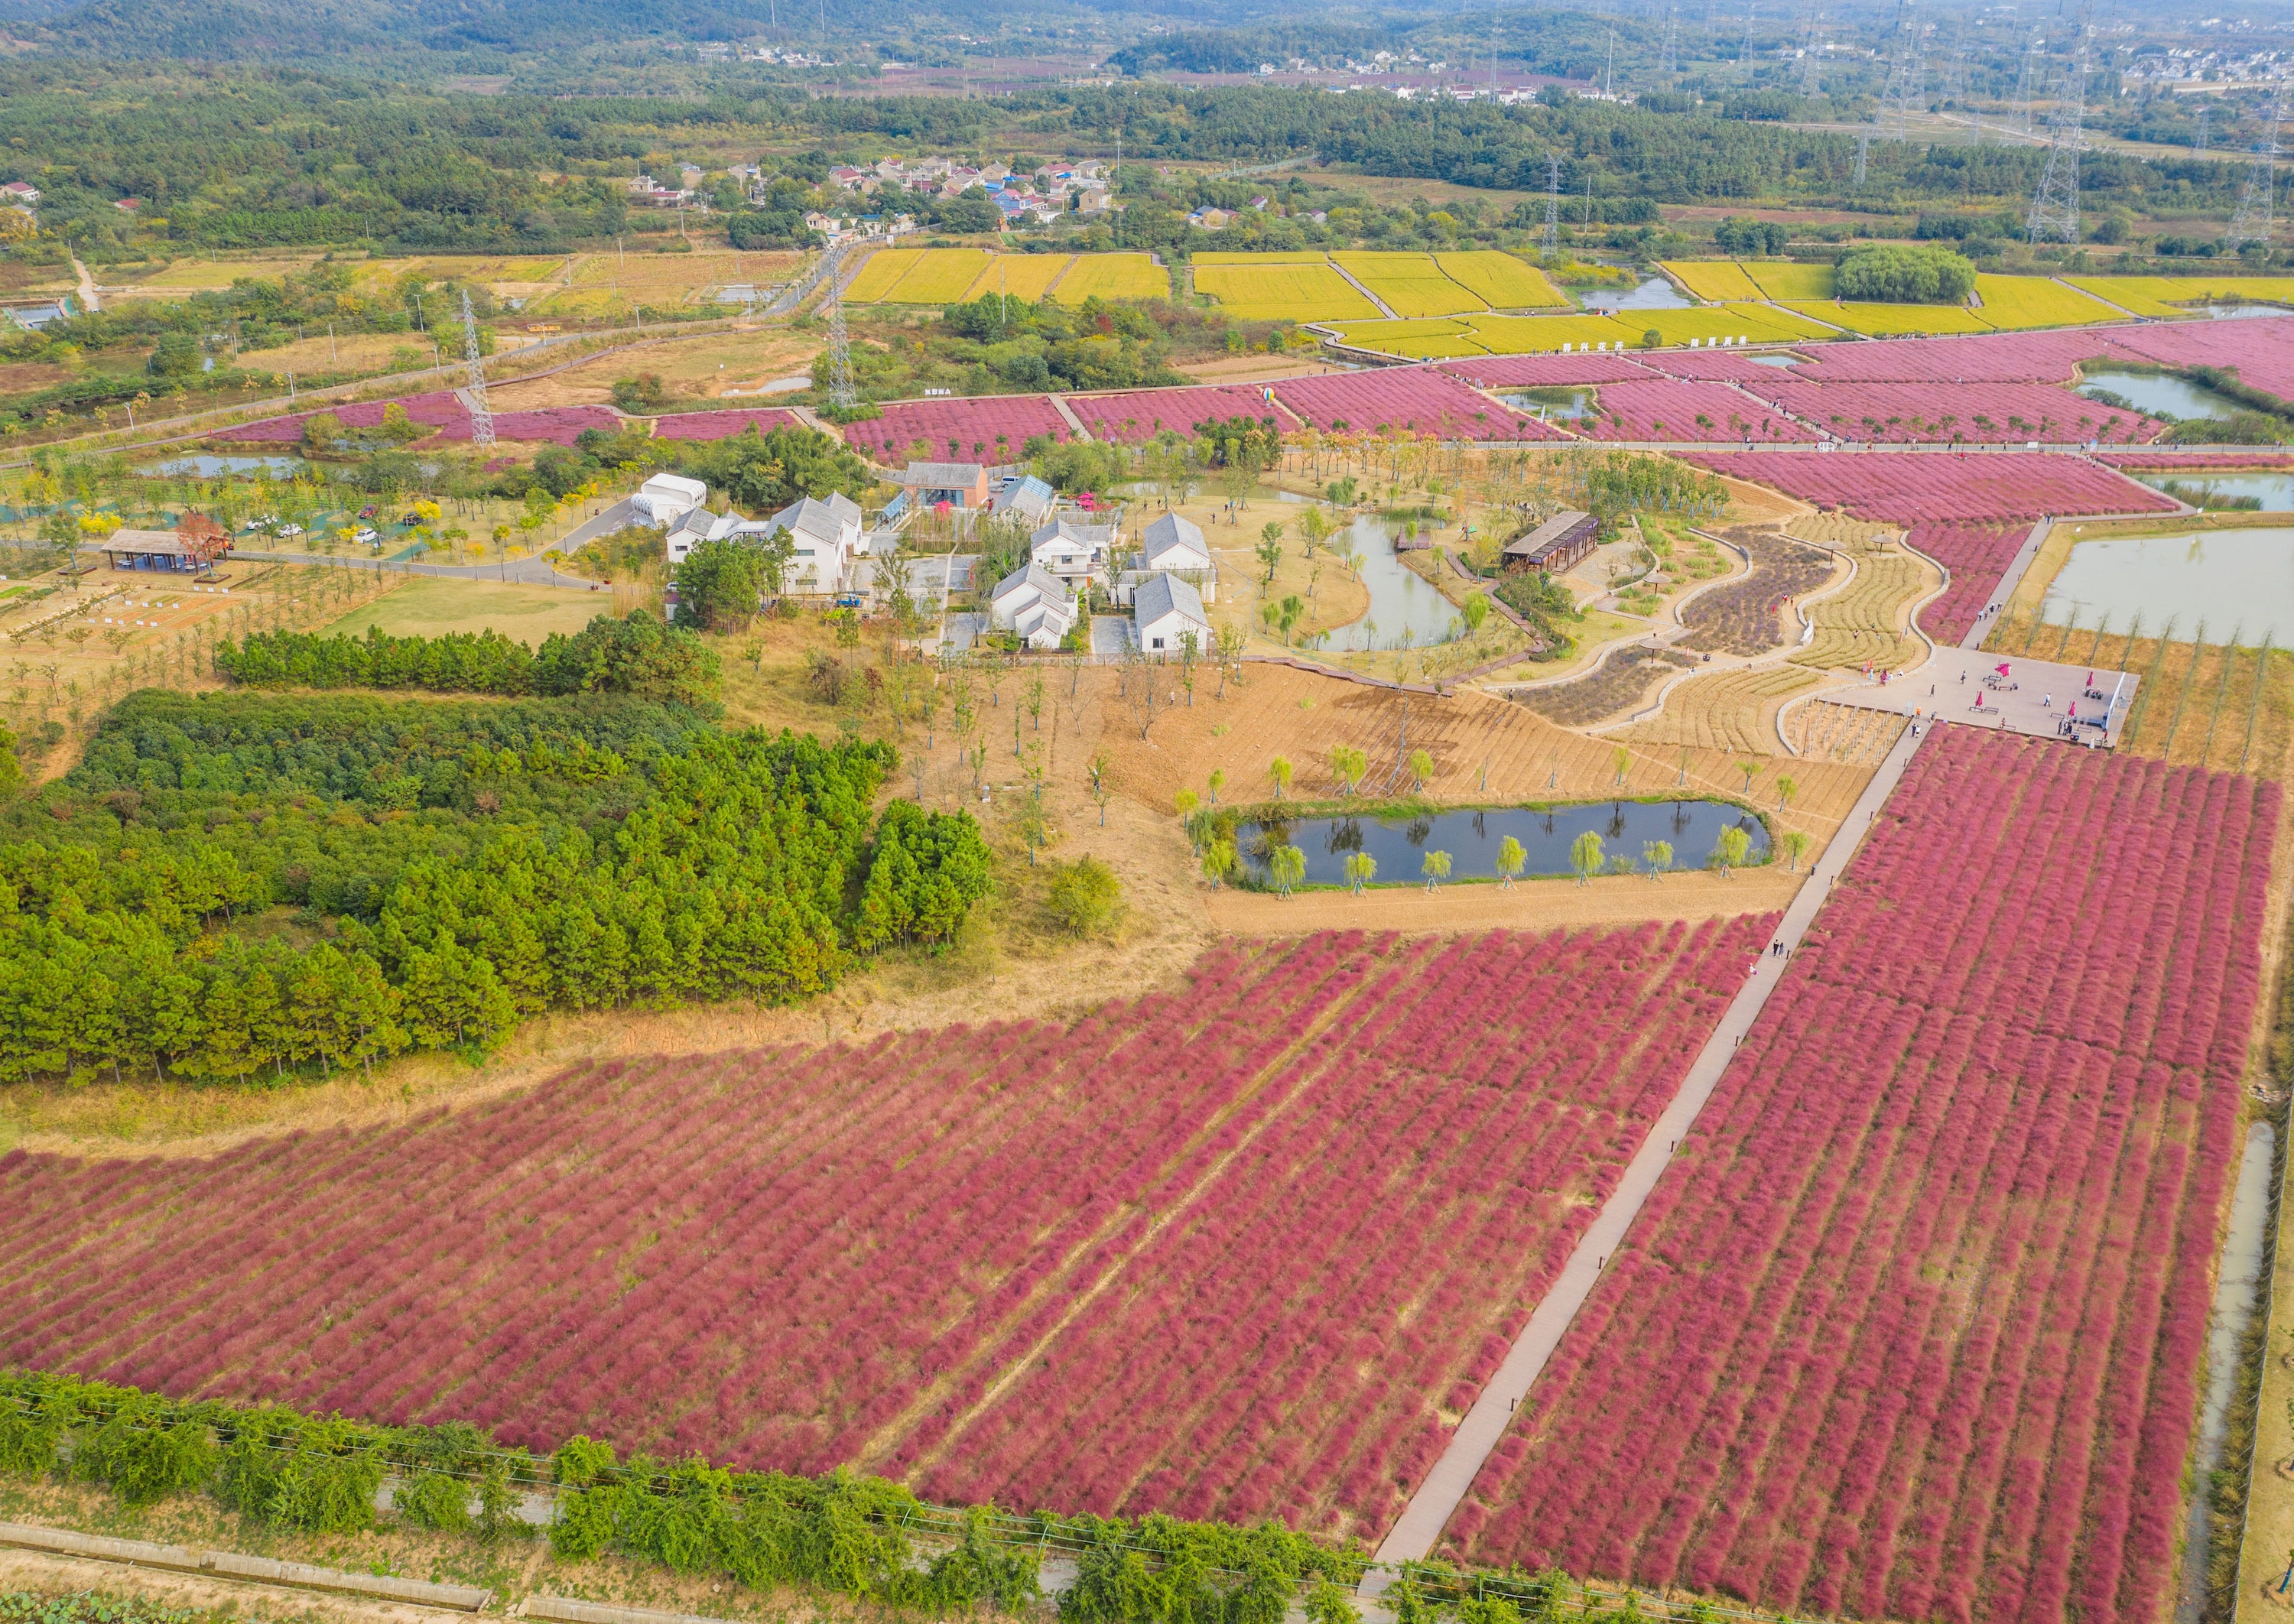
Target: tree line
{"points": [[234, 887], [635, 654]]}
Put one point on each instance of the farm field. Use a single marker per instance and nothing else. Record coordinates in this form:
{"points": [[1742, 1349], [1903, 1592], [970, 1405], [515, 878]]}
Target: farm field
{"points": [[1018, 276], [1732, 712], [1488, 335], [995, 1296], [2041, 357], [917, 276], [1911, 1329], [1886, 320], [2013, 303], [2175, 291], [1500, 280], [1113, 276], [1731, 323], [1713, 279], [189, 276], [607, 282], [1914, 487], [1411, 284], [346, 353], [1284, 291], [1782, 281], [725, 424], [1142, 414]]}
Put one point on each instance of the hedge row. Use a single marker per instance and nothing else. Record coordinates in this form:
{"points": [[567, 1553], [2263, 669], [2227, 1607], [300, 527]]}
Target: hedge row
{"points": [[843, 1532]]}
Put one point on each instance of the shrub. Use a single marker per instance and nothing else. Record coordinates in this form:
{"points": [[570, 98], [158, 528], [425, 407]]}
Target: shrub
{"points": [[1085, 898]]}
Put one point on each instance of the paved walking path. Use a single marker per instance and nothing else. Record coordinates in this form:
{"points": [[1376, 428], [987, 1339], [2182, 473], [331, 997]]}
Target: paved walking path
{"points": [[1446, 1486]]}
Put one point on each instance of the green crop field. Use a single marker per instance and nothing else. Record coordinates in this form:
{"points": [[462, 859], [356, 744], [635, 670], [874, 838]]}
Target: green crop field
{"points": [[1272, 292]]}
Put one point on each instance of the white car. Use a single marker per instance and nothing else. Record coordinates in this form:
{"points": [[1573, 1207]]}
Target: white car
{"points": [[364, 533], [289, 530]]}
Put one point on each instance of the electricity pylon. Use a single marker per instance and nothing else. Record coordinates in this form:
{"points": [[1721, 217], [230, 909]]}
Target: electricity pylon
{"points": [[2054, 216], [842, 393], [1907, 76], [2024, 82], [1809, 40], [482, 417], [1668, 61], [1552, 242], [2252, 221]]}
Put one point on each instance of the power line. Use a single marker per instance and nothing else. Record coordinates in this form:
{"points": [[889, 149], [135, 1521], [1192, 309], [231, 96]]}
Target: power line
{"points": [[2256, 204], [1907, 76], [842, 393], [2054, 216], [482, 417]]}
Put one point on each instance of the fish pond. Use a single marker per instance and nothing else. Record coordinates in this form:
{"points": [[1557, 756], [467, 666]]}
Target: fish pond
{"points": [[2157, 392], [1398, 842], [2238, 583]]}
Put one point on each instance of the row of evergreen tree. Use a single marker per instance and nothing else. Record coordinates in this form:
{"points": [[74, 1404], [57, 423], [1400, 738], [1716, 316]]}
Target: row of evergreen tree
{"points": [[238, 887], [637, 654]]}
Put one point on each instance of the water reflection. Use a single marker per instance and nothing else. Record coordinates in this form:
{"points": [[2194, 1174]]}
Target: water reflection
{"points": [[2275, 492], [2240, 582], [1655, 294], [1405, 611], [1472, 838], [2156, 392]]}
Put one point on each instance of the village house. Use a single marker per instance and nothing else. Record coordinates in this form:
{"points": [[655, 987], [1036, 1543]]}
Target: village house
{"points": [[958, 485], [1075, 553], [1032, 603], [1027, 499], [1164, 612], [825, 534], [665, 497], [1174, 546]]}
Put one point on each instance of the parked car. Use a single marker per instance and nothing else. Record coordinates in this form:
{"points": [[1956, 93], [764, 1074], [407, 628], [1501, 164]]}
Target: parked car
{"points": [[364, 533], [367, 511], [410, 518], [290, 530]]}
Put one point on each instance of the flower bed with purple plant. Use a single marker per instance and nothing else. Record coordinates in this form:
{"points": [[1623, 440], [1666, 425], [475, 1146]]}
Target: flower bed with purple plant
{"points": [[985, 429], [1912, 1326], [1413, 400], [1224, 1251], [1140, 414]]}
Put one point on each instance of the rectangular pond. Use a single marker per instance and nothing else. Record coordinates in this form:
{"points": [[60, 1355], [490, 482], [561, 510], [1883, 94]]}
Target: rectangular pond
{"points": [[2237, 581], [2274, 491], [1626, 828], [2157, 392]]}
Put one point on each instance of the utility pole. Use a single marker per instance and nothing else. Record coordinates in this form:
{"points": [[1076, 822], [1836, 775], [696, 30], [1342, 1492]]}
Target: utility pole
{"points": [[2256, 204], [2054, 216], [1552, 242], [843, 393], [482, 417], [2204, 108]]}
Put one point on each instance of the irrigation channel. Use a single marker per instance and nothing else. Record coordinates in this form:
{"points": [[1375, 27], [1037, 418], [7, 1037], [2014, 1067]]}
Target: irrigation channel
{"points": [[1548, 835]]}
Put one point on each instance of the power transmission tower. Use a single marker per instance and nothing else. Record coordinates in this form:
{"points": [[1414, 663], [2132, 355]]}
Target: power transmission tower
{"points": [[1668, 61], [1863, 152], [482, 417], [1808, 43], [1552, 242], [2023, 83], [842, 393], [2054, 216], [2203, 110], [2252, 221], [1907, 76], [1744, 45]]}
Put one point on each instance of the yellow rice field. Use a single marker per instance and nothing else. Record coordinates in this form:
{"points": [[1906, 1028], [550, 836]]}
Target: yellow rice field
{"points": [[1781, 282], [939, 276], [2131, 295], [1500, 280], [2013, 303], [1760, 323], [1293, 256], [1266, 291], [1894, 319], [1018, 276], [1112, 276], [1411, 284], [2169, 290], [1711, 279]]}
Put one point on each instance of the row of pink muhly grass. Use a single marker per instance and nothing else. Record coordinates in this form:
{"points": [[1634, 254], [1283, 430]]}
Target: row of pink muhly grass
{"points": [[1912, 1331], [1916, 487]]}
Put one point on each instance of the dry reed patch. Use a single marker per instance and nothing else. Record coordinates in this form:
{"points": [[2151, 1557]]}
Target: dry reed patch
{"points": [[699, 368], [1823, 731], [1868, 622]]}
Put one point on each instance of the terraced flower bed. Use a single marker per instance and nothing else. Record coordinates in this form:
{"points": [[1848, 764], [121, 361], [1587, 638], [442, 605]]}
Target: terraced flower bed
{"points": [[2043, 358], [1747, 616], [985, 429], [1977, 556], [1142, 414]]}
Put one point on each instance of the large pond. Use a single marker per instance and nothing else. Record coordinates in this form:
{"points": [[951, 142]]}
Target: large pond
{"points": [[2275, 492], [2155, 392], [2238, 312], [1561, 402], [1655, 294], [2234, 580], [1692, 828]]}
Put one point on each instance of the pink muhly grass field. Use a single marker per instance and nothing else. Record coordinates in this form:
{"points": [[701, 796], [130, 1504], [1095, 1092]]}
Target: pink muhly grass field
{"points": [[1988, 413], [1547, 371], [1677, 408], [1930, 487], [1293, 1207], [1977, 555], [1414, 400], [991, 429], [1913, 1329], [1139, 415]]}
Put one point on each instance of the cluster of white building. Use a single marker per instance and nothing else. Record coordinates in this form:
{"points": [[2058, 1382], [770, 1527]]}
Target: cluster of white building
{"points": [[1044, 191], [1163, 579]]}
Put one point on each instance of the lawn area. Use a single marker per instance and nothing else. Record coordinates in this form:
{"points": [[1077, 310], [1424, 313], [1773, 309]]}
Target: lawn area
{"points": [[1297, 292], [1112, 276], [430, 605], [346, 353], [2016, 303], [1711, 279], [1500, 280]]}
